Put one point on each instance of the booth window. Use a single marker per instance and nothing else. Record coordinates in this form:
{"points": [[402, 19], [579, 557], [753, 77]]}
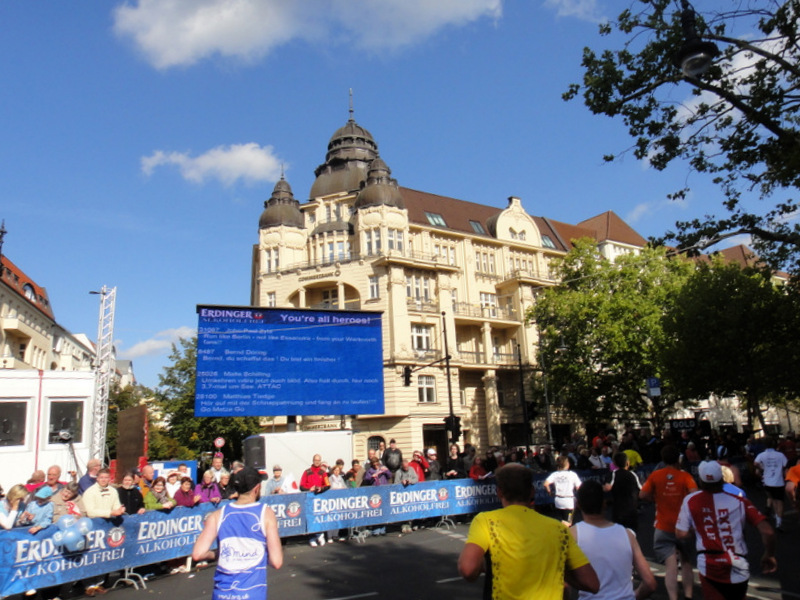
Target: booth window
{"points": [[12, 422], [66, 421]]}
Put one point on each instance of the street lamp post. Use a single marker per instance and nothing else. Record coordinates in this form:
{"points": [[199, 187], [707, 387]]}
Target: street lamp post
{"points": [[547, 418], [695, 55], [525, 416]]}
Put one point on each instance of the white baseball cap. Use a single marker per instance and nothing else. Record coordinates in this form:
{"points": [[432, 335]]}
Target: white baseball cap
{"points": [[710, 471]]}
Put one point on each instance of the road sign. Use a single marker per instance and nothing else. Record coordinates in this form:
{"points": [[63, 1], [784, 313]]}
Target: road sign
{"points": [[653, 386], [219, 442]]}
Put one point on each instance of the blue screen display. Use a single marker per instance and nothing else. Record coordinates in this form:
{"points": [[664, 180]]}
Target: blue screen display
{"points": [[275, 361]]}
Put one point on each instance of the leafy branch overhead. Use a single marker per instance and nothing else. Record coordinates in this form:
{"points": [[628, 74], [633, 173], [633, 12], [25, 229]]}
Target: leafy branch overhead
{"points": [[737, 122]]}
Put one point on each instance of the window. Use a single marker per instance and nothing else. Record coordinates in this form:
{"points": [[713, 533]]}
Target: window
{"points": [[66, 419], [374, 442], [374, 290], [29, 292], [13, 422], [373, 238], [418, 288], [340, 251], [547, 242], [368, 238], [435, 219], [399, 240], [272, 301], [331, 255], [489, 304], [421, 337], [477, 227], [426, 388], [330, 298]]}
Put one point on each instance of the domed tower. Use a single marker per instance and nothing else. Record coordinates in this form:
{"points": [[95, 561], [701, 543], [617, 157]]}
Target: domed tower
{"points": [[281, 208], [350, 151], [380, 188]]}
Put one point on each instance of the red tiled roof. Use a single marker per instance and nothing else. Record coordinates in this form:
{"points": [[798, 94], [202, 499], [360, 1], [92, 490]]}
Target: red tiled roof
{"points": [[609, 227], [569, 233], [17, 280]]}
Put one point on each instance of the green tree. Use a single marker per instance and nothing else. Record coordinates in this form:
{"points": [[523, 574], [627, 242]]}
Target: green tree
{"points": [[739, 123], [175, 400], [602, 331], [733, 331]]}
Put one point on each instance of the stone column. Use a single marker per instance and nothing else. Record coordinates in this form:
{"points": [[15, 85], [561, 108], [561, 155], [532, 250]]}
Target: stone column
{"points": [[492, 408]]}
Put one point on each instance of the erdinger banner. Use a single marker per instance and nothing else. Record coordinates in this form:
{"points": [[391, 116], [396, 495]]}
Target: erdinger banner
{"points": [[394, 503], [36, 561]]}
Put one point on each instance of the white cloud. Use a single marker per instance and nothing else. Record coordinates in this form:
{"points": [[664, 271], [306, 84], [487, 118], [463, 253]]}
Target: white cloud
{"points": [[158, 344], [250, 163], [174, 33], [585, 10], [646, 209]]}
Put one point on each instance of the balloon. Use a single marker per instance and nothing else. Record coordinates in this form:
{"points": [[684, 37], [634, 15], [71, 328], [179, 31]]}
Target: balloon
{"points": [[58, 538], [74, 540], [66, 522], [85, 525]]}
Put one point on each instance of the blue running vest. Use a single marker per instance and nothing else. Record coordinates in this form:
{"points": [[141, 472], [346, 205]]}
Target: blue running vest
{"points": [[242, 565]]}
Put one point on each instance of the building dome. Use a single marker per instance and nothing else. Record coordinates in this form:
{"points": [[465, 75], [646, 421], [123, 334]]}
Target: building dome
{"points": [[350, 150], [281, 208], [380, 188]]}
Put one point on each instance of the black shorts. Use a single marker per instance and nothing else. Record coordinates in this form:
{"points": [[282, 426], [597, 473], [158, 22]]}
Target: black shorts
{"points": [[776, 493], [716, 590]]}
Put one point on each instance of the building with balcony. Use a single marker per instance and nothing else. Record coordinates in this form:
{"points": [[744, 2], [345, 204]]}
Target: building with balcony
{"points": [[448, 275]]}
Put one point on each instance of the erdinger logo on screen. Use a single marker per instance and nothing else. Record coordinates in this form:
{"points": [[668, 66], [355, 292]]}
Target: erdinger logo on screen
{"points": [[442, 494], [293, 510], [218, 313], [375, 501], [116, 537]]}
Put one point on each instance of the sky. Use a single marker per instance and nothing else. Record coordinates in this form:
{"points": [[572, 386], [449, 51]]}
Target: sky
{"points": [[139, 140]]}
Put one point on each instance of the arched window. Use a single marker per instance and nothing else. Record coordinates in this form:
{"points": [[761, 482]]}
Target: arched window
{"points": [[374, 442]]}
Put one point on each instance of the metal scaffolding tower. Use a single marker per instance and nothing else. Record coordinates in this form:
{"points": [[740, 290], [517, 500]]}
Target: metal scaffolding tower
{"points": [[104, 368]]}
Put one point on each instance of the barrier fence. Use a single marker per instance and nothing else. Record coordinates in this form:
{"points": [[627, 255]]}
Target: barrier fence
{"points": [[33, 561]]}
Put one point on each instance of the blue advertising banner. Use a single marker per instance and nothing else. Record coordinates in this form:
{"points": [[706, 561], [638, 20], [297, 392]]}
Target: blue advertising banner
{"points": [[270, 361], [100, 546]]}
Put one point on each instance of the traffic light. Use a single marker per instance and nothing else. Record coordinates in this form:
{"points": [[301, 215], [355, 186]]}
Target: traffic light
{"points": [[406, 376], [453, 425]]}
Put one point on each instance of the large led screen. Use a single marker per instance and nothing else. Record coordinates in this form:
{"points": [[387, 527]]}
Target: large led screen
{"points": [[276, 361]]}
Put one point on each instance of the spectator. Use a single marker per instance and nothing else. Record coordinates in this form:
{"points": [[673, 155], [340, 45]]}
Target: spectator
{"points": [[53, 477], [433, 472], [216, 467], [208, 488], [173, 483], [36, 481], [130, 496], [226, 487], [355, 475], [563, 484], [11, 505], [185, 495], [611, 549], [102, 500], [405, 475], [419, 464], [392, 457], [236, 466], [280, 483], [377, 473], [336, 479], [595, 461], [67, 502], [379, 452], [315, 480], [157, 497], [478, 471], [92, 469], [543, 460], [624, 487], [39, 513], [147, 478], [454, 467]]}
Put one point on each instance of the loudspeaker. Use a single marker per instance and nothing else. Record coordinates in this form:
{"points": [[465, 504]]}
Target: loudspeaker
{"points": [[255, 452]]}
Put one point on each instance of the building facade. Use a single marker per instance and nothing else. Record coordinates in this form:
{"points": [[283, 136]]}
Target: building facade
{"points": [[449, 276]]}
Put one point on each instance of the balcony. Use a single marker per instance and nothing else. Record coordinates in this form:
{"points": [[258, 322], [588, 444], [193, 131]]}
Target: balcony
{"points": [[426, 306], [476, 311]]}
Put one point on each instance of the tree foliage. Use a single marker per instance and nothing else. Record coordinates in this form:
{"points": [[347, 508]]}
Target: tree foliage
{"points": [[733, 331], [602, 331], [175, 400], [738, 122]]}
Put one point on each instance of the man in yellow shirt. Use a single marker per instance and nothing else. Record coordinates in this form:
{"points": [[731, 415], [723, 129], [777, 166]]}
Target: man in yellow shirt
{"points": [[527, 554]]}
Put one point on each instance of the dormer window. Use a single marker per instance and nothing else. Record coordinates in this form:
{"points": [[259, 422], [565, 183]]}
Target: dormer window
{"points": [[548, 243], [29, 292], [435, 219], [477, 227]]}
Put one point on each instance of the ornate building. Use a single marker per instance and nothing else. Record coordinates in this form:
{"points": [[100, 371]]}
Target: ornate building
{"points": [[447, 275]]}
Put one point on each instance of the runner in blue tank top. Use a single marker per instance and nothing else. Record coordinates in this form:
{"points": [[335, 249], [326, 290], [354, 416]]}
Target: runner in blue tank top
{"points": [[247, 537]]}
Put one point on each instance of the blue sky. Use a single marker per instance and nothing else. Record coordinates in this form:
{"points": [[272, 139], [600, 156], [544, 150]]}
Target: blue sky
{"points": [[139, 141]]}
